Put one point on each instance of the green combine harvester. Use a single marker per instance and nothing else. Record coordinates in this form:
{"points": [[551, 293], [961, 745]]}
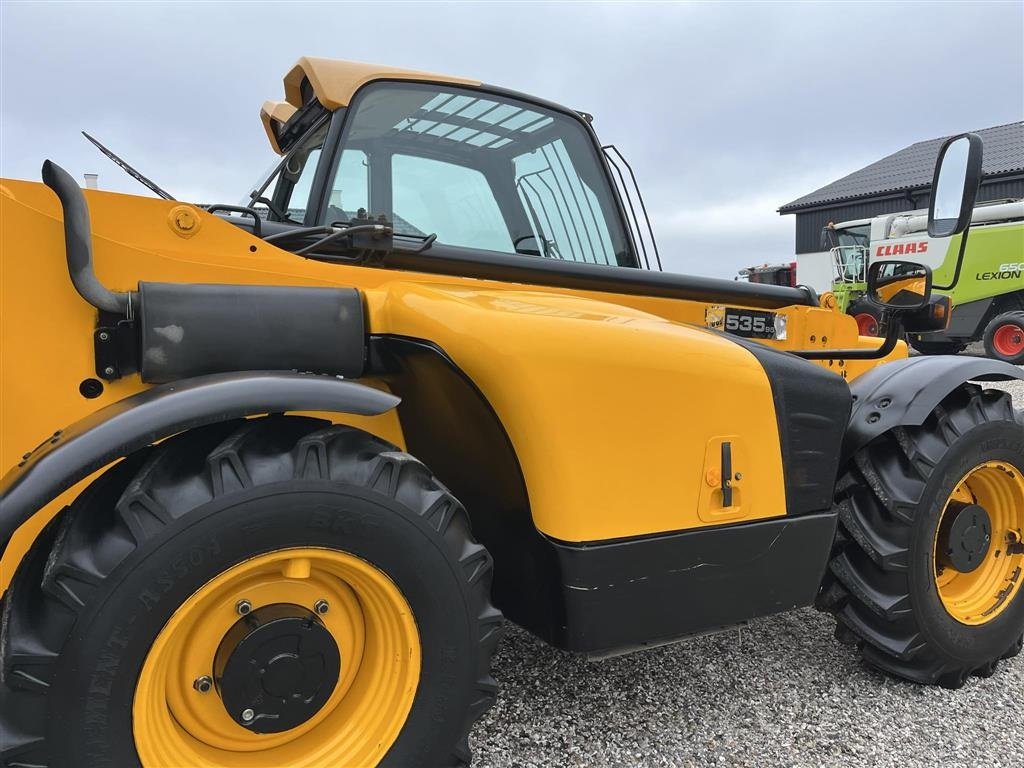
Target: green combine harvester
{"points": [[986, 298]]}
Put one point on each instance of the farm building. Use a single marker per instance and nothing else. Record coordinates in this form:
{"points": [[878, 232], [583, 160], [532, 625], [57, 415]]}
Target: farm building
{"points": [[895, 184]]}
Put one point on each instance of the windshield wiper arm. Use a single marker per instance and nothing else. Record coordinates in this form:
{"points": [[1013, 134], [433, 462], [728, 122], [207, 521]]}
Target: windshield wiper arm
{"points": [[129, 170]]}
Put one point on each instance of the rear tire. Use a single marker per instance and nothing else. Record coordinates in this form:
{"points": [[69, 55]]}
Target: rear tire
{"points": [[89, 604], [882, 585], [1004, 338]]}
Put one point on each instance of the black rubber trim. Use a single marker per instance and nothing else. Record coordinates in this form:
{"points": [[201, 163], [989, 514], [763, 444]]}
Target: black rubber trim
{"points": [[812, 408], [595, 596], [534, 270], [644, 591], [905, 392], [136, 421], [192, 329]]}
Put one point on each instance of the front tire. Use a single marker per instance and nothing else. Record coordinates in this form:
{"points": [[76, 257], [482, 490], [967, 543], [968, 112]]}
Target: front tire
{"points": [[1004, 338], [868, 316], [122, 609], [891, 585]]}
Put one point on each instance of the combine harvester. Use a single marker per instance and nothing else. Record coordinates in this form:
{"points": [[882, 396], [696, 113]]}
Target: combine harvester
{"points": [[987, 301]]}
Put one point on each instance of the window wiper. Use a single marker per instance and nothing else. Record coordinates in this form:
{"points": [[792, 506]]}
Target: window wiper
{"points": [[129, 170]]}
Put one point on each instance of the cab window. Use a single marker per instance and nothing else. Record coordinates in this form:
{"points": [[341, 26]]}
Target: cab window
{"points": [[452, 201], [477, 170], [286, 195]]}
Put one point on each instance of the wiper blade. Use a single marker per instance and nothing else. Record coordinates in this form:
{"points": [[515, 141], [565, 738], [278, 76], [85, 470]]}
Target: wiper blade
{"points": [[129, 170]]}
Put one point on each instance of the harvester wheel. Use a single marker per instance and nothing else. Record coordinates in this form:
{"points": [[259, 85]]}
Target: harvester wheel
{"points": [[868, 317], [275, 591], [1004, 338], [927, 575]]}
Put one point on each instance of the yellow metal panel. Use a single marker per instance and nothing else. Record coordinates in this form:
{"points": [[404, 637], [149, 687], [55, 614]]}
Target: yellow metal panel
{"points": [[610, 400], [334, 82], [609, 408], [275, 113]]}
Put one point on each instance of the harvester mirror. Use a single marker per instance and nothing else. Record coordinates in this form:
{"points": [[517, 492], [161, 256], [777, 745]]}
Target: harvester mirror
{"points": [[900, 285], [955, 185]]}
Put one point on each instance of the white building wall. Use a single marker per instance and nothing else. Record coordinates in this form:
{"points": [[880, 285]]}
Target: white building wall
{"points": [[815, 270]]}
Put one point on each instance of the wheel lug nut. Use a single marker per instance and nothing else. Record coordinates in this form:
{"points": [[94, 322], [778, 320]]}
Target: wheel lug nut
{"points": [[247, 715], [203, 684], [243, 607], [321, 606]]}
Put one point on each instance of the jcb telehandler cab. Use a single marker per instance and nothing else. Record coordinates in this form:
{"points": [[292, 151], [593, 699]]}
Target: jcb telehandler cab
{"points": [[273, 470]]}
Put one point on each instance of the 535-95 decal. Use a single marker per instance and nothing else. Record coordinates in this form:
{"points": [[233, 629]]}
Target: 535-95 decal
{"points": [[748, 323]]}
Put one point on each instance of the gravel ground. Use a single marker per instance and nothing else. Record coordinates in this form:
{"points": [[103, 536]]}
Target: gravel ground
{"points": [[779, 692]]}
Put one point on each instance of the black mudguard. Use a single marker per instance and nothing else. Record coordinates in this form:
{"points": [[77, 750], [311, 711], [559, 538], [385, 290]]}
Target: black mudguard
{"points": [[905, 392], [110, 433]]}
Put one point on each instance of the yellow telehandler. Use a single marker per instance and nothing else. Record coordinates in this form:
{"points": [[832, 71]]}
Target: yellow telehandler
{"points": [[275, 472]]}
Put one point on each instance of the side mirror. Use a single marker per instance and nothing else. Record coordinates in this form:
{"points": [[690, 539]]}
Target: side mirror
{"points": [[955, 185], [900, 285]]}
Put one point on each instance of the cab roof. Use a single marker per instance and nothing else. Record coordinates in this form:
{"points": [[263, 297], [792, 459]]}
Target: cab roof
{"points": [[333, 82]]}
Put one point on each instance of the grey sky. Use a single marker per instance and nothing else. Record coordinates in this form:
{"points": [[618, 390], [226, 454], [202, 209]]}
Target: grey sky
{"points": [[726, 111]]}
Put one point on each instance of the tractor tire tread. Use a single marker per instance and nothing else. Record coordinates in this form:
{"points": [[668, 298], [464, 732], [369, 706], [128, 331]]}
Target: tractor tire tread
{"points": [[866, 587], [135, 500]]}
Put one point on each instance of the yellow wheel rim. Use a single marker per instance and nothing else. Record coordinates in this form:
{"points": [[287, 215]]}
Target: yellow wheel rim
{"points": [[369, 619], [981, 595]]}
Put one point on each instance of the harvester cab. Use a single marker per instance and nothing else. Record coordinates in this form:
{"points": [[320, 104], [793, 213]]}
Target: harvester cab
{"points": [[275, 472]]}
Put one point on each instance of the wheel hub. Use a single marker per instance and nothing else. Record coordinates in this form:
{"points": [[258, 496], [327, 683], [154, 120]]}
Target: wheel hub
{"points": [[965, 537], [276, 667], [1009, 340]]}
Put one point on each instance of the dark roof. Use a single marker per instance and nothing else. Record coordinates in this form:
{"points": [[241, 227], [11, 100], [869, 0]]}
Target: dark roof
{"points": [[913, 166]]}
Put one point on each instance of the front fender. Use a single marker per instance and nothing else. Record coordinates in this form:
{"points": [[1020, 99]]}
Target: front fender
{"points": [[905, 392], [119, 429]]}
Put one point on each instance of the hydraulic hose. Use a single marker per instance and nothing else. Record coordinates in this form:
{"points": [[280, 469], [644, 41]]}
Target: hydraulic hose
{"points": [[78, 242]]}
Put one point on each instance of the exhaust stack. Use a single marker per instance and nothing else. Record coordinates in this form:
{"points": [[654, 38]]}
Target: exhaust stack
{"points": [[78, 242]]}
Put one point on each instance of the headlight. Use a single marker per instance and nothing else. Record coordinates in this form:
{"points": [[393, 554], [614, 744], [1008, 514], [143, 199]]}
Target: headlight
{"points": [[780, 327]]}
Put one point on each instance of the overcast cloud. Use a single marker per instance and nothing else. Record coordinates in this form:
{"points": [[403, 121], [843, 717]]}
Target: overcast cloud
{"points": [[726, 111]]}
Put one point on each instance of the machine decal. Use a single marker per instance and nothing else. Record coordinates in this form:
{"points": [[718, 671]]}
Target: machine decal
{"points": [[900, 249], [747, 323]]}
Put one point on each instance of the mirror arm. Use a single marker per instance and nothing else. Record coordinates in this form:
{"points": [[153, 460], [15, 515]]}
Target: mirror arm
{"points": [[892, 336], [959, 264]]}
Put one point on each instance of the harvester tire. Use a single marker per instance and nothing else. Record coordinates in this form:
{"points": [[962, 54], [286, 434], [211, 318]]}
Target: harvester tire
{"points": [[114, 573], [1004, 338], [884, 585], [868, 316]]}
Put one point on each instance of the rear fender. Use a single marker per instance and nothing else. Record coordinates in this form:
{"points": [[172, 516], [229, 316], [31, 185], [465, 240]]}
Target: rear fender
{"points": [[905, 392], [121, 428]]}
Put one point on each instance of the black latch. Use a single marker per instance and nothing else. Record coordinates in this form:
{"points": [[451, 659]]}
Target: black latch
{"points": [[726, 474], [116, 345]]}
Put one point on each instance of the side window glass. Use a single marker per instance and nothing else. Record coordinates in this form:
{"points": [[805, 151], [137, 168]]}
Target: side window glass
{"points": [[452, 201], [301, 176], [564, 212], [350, 190], [285, 195]]}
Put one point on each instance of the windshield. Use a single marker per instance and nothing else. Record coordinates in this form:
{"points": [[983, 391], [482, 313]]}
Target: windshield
{"points": [[854, 235], [284, 195], [478, 170]]}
